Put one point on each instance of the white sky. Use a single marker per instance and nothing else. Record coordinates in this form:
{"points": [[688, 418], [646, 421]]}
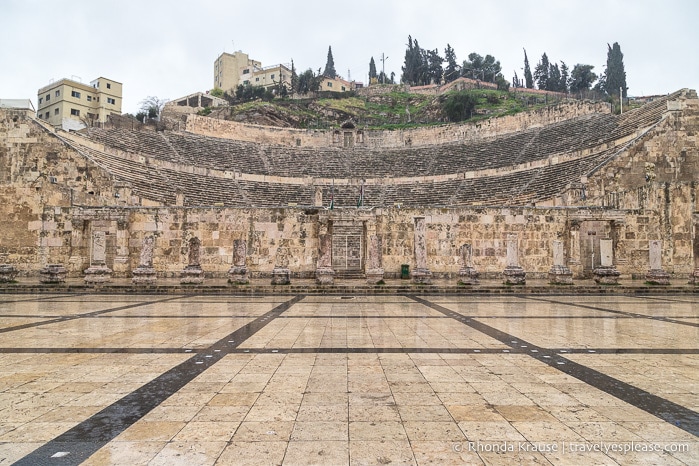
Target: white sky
{"points": [[166, 48]]}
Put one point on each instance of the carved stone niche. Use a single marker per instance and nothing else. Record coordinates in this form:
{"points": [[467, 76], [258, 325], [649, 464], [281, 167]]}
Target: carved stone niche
{"points": [[375, 272]]}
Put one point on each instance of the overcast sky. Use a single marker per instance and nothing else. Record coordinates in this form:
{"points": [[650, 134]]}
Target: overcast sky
{"points": [[167, 48]]}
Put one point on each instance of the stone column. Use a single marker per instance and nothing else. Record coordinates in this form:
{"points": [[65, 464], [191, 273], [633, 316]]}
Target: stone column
{"points": [[574, 257], [421, 274], [468, 275], [238, 273], [513, 273], [374, 274], [559, 274], [8, 273], [656, 275], [324, 268], [694, 277], [606, 273], [193, 274], [53, 274], [318, 197], [98, 272], [144, 274], [281, 274]]}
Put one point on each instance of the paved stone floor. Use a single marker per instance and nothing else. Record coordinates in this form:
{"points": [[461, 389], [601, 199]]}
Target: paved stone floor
{"points": [[199, 380]]}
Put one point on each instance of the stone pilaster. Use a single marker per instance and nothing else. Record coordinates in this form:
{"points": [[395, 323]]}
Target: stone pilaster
{"points": [[193, 274], [325, 275], [374, 274], [513, 274], [421, 274], [559, 274], [145, 274], [468, 275], [281, 275], [656, 275], [98, 272], [53, 274], [238, 273], [606, 273], [8, 273]]}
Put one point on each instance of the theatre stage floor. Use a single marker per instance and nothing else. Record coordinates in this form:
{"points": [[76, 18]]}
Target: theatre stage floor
{"points": [[134, 379]]}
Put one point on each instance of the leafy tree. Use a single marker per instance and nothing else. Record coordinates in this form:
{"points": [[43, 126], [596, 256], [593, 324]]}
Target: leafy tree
{"points": [[581, 78], [216, 92], [308, 82], [486, 67], [152, 106], [529, 81], [458, 106], [615, 74], [451, 72], [330, 65], [541, 72], [372, 71]]}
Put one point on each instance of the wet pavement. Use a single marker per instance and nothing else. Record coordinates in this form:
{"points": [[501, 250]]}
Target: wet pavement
{"points": [[104, 379]]}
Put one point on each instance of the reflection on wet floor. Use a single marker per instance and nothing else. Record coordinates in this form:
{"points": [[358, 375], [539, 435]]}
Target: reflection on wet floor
{"points": [[348, 380]]}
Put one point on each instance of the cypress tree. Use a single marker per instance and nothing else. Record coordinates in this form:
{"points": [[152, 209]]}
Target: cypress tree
{"points": [[528, 80], [330, 65], [615, 74]]}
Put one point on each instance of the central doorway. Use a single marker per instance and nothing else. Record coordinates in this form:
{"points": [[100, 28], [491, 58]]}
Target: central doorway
{"points": [[348, 257]]}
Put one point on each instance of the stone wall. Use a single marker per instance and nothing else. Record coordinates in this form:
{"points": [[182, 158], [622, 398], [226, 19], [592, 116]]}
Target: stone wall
{"points": [[65, 234], [427, 136]]}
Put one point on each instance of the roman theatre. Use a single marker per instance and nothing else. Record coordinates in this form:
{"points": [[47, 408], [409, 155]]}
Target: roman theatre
{"points": [[567, 192]]}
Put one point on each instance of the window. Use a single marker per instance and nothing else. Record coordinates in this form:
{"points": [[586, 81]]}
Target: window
{"points": [[246, 71], [75, 94], [111, 101], [272, 77], [47, 115], [330, 84], [74, 112], [58, 93], [109, 86], [246, 82], [48, 97], [89, 98], [257, 79], [41, 100], [55, 111]]}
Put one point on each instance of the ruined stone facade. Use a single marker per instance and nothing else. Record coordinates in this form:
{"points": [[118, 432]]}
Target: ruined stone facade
{"points": [[576, 175]]}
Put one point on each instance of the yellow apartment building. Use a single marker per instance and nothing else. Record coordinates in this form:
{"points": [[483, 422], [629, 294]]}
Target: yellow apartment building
{"points": [[73, 105], [231, 70]]}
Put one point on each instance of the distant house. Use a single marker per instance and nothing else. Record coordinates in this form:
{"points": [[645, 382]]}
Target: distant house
{"points": [[336, 84], [73, 105]]}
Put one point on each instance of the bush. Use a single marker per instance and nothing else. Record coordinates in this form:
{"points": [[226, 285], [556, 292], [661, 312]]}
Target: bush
{"points": [[458, 106]]}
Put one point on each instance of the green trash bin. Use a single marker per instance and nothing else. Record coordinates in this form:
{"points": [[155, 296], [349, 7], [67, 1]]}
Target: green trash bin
{"points": [[404, 271]]}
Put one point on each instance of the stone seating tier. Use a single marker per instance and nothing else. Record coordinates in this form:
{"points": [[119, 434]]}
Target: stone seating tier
{"points": [[590, 131]]}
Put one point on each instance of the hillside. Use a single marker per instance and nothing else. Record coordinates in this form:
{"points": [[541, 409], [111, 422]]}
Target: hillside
{"points": [[394, 109]]}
